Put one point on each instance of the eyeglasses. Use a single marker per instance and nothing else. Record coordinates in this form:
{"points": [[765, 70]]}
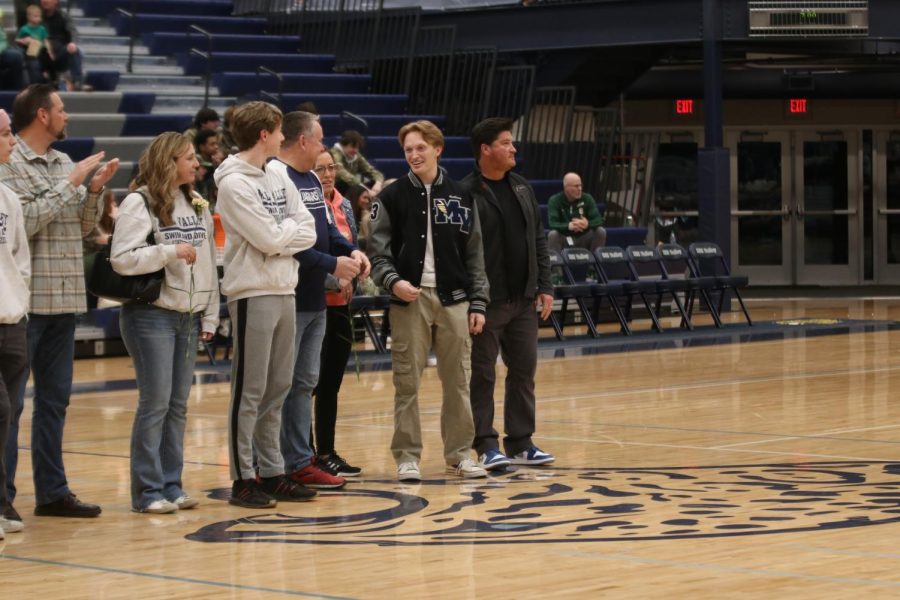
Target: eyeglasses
{"points": [[327, 168]]}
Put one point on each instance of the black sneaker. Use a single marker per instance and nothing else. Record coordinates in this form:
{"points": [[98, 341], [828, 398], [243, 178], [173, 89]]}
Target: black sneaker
{"points": [[282, 488], [67, 506], [11, 514], [337, 466], [249, 494]]}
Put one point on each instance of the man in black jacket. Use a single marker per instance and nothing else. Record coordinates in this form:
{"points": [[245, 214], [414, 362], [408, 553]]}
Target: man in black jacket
{"points": [[425, 247], [519, 278]]}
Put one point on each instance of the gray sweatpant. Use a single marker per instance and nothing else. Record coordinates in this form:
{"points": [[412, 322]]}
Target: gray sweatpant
{"points": [[263, 329]]}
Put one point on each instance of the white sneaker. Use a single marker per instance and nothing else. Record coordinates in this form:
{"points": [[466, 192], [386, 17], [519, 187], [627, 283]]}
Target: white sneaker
{"points": [[466, 469], [7, 526], [159, 507], [184, 502], [409, 471]]}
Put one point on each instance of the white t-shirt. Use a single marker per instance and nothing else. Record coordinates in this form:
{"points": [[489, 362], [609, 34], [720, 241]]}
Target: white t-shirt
{"points": [[428, 277]]}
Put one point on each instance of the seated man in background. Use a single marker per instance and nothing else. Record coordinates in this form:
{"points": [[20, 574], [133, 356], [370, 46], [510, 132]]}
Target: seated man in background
{"points": [[209, 156], [206, 118], [574, 218], [355, 169]]}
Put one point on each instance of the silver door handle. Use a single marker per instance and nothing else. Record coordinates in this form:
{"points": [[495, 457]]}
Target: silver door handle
{"points": [[889, 211]]}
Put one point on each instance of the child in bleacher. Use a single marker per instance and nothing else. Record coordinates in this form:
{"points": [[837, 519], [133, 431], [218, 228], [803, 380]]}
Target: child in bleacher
{"points": [[34, 39]]}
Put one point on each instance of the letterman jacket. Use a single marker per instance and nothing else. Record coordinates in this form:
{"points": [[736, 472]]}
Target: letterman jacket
{"points": [[397, 233]]}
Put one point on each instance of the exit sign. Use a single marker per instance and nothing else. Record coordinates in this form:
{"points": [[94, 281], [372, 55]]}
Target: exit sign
{"points": [[684, 106], [797, 108]]}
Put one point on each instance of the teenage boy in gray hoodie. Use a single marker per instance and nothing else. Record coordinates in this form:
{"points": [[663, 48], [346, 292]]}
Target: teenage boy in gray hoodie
{"points": [[265, 225]]}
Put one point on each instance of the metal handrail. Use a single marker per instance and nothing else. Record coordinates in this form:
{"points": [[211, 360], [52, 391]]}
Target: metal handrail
{"points": [[354, 118], [132, 33], [277, 76], [263, 94], [208, 76]]}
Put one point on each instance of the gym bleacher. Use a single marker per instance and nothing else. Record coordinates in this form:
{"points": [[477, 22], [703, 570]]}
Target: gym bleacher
{"points": [[149, 75]]}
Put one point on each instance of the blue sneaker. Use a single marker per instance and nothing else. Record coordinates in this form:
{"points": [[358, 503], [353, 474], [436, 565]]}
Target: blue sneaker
{"points": [[532, 456], [493, 460]]}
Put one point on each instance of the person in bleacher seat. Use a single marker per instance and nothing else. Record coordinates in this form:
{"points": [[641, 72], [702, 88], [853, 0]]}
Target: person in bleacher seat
{"points": [[355, 169], [34, 40], [66, 55], [210, 156], [206, 118], [574, 217], [519, 277], [13, 75], [162, 337]]}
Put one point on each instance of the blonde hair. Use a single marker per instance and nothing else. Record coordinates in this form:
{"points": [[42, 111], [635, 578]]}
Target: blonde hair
{"points": [[428, 130], [157, 172]]}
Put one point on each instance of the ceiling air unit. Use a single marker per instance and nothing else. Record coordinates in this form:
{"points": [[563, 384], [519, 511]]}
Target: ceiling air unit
{"points": [[808, 18]]}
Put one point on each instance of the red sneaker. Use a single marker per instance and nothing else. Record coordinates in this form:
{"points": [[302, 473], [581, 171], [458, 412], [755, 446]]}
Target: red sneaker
{"points": [[312, 476]]}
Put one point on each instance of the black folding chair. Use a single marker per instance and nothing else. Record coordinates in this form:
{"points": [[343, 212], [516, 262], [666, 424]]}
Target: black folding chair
{"points": [[361, 306], [582, 269], [645, 265], [708, 260], [614, 269], [674, 260], [566, 291]]}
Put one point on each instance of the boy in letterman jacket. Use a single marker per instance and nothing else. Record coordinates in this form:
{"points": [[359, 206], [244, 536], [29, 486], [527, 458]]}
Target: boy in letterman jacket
{"points": [[265, 225], [425, 247]]}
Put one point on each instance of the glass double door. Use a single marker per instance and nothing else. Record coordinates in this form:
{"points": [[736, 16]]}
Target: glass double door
{"points": [[886, 226], [795, 206]]}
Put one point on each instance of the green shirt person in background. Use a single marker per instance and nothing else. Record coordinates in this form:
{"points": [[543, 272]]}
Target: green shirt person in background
{"points": [[573, 218]]}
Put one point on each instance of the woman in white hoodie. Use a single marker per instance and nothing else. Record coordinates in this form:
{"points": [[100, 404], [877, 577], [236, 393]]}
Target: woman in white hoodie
{"points": [[15, 274], [162, 337]]}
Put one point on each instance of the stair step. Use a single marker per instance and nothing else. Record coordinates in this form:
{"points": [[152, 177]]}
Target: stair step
{"points": [[108, 61], [179, 104], [104, 40], [184, 91], [106, 50], [89, 31], [170, 80]]}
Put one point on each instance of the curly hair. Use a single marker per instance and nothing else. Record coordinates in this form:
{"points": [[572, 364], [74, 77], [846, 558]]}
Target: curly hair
{"points": [[157, 171]]}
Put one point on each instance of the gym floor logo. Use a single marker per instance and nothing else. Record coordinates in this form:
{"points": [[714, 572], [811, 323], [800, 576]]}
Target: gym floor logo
{"points": [[584, 505]]}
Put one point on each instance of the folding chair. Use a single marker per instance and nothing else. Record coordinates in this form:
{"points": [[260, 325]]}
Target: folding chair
{"points": [[565, 292], [674, 259], [709, 261], [644, 263], [581, 269], [361, 305], [613, 267]]}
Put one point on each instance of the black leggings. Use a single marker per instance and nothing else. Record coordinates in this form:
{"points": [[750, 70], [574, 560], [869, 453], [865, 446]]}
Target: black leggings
{"points": [[335, 352]]}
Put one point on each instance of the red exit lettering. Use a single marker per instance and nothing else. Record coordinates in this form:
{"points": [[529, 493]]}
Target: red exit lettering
{"points": [[797, 106], [684, 107]]}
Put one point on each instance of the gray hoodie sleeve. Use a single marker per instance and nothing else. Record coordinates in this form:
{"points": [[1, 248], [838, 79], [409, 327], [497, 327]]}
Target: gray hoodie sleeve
{"points": [[384, 273]]}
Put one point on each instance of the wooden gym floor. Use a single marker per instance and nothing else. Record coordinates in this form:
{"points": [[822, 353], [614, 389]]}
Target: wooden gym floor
{"points": [[752, 469]]}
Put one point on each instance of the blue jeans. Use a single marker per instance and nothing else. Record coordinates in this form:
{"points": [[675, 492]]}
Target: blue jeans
{"points": [[296, 414], [51, 350], [163, 345]]}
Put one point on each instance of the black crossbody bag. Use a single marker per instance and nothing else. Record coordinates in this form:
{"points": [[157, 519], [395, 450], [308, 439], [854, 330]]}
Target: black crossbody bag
{"points": [[134, 289]]}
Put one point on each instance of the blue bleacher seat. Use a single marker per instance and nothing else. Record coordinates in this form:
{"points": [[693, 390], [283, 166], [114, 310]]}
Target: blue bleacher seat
{"points": [[238, 84], [623, 237], [544, 188], [102, 81], [151, 125], [76, 148], [248, 62], [102, 8], [388, 146], [180, 23], [167, 43], [357, 103], [379, 125]]}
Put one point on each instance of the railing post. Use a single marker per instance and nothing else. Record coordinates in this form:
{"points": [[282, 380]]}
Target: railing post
{"points": [[208, 62]]}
